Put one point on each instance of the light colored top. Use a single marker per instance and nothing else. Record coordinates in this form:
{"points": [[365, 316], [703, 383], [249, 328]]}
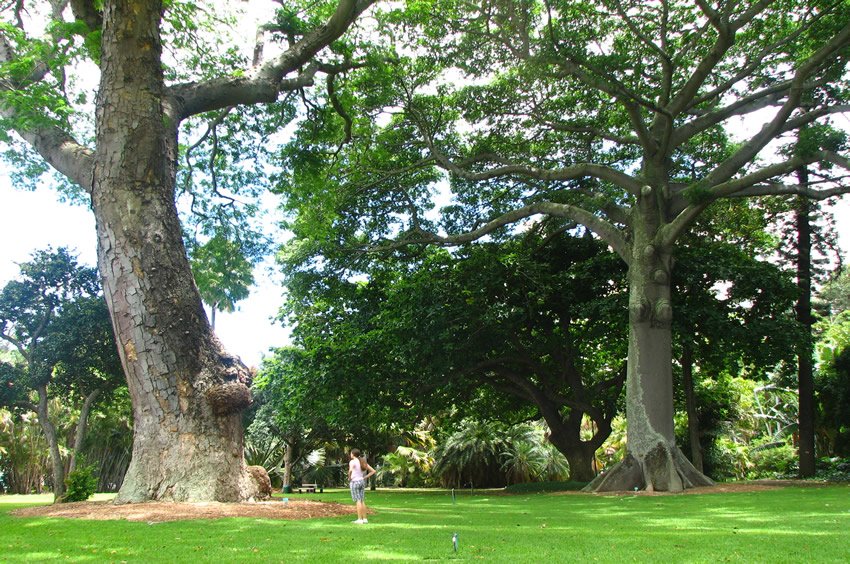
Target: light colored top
{"points": [[354, 471]]}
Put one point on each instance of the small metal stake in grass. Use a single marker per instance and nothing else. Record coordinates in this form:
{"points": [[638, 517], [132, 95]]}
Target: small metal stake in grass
{"points": [[454, 541]]}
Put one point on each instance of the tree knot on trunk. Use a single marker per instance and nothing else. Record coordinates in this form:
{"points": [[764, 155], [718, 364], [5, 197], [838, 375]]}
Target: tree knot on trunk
{"points": [[228, 398], [663, 313], [235, 371]]}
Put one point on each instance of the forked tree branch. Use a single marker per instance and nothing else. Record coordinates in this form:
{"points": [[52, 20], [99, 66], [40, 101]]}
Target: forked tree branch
{"points": [[264, 83], [758, 183], [605, 230]]}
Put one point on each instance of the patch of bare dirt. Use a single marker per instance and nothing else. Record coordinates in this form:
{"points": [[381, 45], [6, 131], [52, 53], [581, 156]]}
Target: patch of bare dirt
{"points": [[154, 512], [752, 486]]}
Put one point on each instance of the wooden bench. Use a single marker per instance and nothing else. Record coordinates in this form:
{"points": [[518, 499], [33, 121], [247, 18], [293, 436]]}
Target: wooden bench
{"points": [[311, 488]]}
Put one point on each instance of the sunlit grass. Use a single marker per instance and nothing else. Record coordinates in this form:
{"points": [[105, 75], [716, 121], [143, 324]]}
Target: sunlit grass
{"points": [[797, 524]]}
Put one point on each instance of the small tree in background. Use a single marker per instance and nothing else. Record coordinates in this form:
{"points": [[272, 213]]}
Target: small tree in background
{"points": [[223, 275], [55, 317]]}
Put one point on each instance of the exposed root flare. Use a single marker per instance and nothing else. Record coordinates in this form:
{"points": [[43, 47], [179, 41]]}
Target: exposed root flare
{"points": [[664, 468]]}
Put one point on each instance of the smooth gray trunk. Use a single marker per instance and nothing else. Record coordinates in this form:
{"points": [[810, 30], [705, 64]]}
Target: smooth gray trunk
{"points": [[653, 461]]}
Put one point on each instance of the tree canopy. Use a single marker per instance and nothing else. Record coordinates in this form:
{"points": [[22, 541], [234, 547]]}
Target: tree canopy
{"points": [[616, 115], [630, 118]]}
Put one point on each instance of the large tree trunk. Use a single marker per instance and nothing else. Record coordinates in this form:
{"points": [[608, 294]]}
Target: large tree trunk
{"points": [[565, 435], [288, 458], [581, 464], [186, 392], [653, 461], [805, 378], [691, 405], [579, 454], [56, 464]]}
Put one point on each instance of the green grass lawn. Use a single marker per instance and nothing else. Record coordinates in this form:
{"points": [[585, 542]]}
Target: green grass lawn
{"points": [[795, 524]]}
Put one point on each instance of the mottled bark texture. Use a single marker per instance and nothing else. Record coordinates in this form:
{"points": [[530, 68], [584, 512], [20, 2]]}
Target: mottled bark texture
{"points": [[56, 465], [261, 484], [653, 461], [187, 393]]}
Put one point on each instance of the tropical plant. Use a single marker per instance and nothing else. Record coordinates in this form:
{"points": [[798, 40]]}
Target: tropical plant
{"points": [[407, 467], [264, 445], [109, 442], [470, 456], [524, 460], [481, 453], [24, 461]]}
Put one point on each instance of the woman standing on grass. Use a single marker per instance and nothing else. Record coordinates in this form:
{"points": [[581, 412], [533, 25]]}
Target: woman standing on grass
{"points": [[358, 472]]}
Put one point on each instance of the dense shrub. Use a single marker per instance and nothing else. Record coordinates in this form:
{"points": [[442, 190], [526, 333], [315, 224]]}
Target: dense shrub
{"points": [[80, 484], [833, 469], [773, 461]]}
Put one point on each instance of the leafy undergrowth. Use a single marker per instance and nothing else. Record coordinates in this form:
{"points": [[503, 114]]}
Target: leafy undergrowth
{"points": [[788, 524]]}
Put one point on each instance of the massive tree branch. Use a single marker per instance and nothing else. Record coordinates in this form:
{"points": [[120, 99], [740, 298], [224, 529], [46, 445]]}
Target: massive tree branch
{"points": [[264, 83], [55, 145], [602, 172], [753, 61], [823, 56], [606, 231], [630, 101], [596, 132], [813, 115], [757, 184], [746, 105], [725, 40], [61, 151]]}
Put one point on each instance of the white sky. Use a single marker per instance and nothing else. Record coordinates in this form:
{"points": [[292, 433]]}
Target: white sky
{"points": [[34, 220]]}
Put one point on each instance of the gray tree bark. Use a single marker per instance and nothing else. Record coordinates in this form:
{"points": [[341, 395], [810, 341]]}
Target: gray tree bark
{"points": [[82, 428], [187, 393], [653, 461], [56, 464]]}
